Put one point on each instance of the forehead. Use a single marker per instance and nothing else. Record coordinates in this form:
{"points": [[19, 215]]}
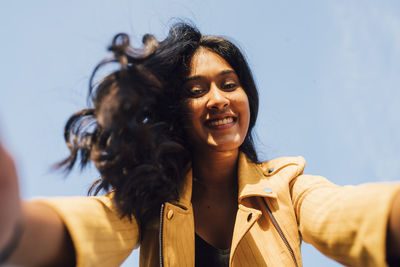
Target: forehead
{"points": [[206, 62]]}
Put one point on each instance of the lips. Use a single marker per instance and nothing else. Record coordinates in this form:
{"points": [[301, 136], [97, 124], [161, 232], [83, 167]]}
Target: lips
{"points": [[221, 122]]}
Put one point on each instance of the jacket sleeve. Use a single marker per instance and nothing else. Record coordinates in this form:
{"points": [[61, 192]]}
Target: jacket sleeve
{"points": [[347, 224], [99, 235]]}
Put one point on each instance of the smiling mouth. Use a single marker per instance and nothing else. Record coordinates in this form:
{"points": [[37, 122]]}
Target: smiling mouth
{"points": [[221, 122]]}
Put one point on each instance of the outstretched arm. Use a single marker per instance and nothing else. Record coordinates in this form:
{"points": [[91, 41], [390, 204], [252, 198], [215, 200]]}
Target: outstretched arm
{"points": [[393, 238], [32, 234], [354, 225]]}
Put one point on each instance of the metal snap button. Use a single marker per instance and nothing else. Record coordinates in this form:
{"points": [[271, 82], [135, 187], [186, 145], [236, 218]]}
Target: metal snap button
{"points": [[170, 214], [249, 217], [271, 170], [267, 190]]}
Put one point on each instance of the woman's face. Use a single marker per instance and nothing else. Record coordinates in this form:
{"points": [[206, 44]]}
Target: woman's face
{"points": [[218, 107]]}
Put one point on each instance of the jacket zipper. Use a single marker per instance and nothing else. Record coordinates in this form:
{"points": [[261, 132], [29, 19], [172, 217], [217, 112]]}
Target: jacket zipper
{"points": [[278, 228], [160, 235]]}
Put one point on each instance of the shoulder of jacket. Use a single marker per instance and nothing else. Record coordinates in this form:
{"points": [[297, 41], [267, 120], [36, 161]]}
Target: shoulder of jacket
{"points": [[276, 165], [107, 199]]}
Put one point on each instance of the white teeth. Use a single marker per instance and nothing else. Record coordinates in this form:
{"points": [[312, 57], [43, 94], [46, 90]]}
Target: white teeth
{"points": [[221, 121]]}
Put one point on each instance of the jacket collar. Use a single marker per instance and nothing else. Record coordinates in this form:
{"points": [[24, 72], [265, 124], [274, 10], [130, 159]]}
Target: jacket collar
{"points": [[251, 181]]}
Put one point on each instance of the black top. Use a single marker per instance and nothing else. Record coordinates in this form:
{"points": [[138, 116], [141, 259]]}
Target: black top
{"points": [[393, 262], [207, 255]]}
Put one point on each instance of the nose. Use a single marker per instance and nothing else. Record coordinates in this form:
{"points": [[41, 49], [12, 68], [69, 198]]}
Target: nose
{"points": [[217, 100]]}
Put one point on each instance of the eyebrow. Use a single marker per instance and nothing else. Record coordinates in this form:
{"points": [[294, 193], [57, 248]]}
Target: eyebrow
{"points": [[197, 77]]}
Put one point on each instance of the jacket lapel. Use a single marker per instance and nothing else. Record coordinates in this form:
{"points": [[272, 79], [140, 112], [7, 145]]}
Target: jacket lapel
{"points": [[252, 182], [177, 236], [178, 228]]}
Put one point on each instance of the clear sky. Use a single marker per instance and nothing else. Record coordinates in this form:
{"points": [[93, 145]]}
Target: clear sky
{"points": [[328, 73]]}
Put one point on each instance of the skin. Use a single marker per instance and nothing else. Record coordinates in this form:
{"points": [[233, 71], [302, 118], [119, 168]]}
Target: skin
{"points": [[393, 238], [8, 196], [217, 123], [45, 241], [216, 93]]}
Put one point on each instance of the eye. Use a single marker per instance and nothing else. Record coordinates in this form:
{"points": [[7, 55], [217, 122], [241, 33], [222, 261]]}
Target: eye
{"points": [[196, 91], [229, 86]]}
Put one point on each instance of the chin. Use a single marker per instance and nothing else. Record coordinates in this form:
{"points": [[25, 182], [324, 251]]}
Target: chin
{"points": [[225, 145], [211, 143]]}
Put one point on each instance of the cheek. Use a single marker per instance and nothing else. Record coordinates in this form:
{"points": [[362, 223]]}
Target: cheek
{"points": [[244, 109], [193, 109], [192, 116], [246, 115]]}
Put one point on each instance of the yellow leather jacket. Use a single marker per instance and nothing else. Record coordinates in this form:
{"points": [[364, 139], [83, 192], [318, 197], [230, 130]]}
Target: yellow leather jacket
{"points": [[278, 207]]}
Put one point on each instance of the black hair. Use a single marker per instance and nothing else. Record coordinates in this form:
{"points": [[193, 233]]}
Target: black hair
{"points": [[132, 132]]}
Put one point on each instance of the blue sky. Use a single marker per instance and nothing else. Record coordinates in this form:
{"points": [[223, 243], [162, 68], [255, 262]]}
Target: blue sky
{"points": [[328, 73]]}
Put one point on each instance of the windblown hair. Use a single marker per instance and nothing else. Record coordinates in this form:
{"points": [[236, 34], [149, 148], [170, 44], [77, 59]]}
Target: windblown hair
{"points": [[133, 130]]}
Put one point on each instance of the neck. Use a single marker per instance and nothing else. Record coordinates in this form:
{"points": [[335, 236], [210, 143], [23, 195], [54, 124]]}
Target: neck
{"points": [[215, 172]]}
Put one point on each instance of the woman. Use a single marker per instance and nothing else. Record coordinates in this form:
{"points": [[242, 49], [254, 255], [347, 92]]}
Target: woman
{"points": [[171, 134]]}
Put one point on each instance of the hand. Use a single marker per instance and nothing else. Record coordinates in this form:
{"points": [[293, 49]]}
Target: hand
{"points": [[44, 240], [10, 202], [393, 238]]}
